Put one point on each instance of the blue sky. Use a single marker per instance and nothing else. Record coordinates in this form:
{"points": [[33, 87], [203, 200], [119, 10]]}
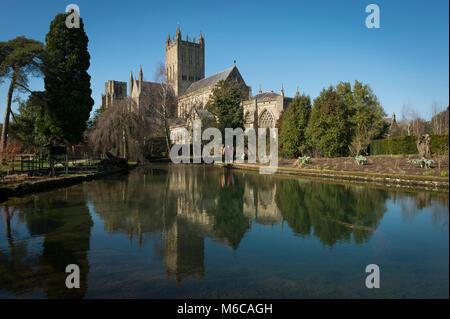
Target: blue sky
{"points": [[310, 44]]}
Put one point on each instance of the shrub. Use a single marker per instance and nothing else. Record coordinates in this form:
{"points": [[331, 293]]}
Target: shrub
{"points": [[423, 162], [304, 159], [430, 172], [293, 125], [361, 160], [444, 173]]}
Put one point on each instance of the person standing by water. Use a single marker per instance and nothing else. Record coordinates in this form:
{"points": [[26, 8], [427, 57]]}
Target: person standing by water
{"points": [[228, 155]]}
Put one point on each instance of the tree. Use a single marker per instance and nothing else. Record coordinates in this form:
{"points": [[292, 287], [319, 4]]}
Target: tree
{"points": [[412, 122], [92, 122], [121, 131], [292, 137], [67, 82], [225, 104], [25, 127], [329, 126], [164, 105], [366, 115], [439, 120], [19, 58]]}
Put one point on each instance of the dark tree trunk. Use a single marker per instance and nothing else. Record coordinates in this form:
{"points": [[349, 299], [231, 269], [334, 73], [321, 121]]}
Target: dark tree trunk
{"points": [[7, 112]]}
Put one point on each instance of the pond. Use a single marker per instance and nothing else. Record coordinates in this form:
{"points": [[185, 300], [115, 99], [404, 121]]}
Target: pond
{"points": [[198, 231]]}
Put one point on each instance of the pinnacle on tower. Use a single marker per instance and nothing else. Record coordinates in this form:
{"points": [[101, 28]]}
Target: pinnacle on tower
{"points": [[282, 89], [297, 93], [141, 77], [178, 34], [260, 91], [131, 81]]}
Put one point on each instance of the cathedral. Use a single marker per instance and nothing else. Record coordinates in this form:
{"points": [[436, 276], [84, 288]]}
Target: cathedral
{"points": [[185, 74]]}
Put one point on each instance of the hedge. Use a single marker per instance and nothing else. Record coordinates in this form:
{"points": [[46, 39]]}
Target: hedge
{"points": [[407, 145], [439, 144]]}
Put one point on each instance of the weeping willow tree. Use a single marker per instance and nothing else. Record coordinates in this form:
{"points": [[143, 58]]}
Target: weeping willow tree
{"points": [[122, 131]]}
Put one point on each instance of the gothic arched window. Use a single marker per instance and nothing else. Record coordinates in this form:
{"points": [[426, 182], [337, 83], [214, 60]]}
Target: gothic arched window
{"points": [[266, 119]]}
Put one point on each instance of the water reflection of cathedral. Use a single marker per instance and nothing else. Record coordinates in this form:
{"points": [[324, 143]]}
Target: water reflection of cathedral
{"points": [[178, 208], [197, 213], [187, 204], [184, 252], [260, 205]]}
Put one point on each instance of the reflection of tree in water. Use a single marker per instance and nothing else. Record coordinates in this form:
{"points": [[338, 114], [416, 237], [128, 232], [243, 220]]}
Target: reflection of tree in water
{"points": [[176, 208], [413, 204], [440, 215], [184, 204], [136, 206], [230, 220], [63, 220], [335, 212]]}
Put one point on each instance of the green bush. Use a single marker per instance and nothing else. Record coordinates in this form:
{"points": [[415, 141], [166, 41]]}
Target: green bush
{"points": [[407, 145], [439, 144], [304, 159], [361, 160], [422, 162]]}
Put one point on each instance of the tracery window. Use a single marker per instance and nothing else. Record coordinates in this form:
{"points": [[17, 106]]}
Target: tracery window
{"points": [[266, 119]]}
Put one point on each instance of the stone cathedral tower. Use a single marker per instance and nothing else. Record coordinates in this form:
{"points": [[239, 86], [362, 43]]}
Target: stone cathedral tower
{"points": [[185, 61]]}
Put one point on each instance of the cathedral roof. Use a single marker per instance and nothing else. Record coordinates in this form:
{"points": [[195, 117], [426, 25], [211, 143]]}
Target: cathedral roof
{"points": [[150, 88], [269, 94], [209, 81]]}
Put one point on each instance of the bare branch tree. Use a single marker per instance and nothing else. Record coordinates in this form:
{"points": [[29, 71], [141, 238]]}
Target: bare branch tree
{"points": [[163, 107], [412, 122], [439, 119], [122, 131]]}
